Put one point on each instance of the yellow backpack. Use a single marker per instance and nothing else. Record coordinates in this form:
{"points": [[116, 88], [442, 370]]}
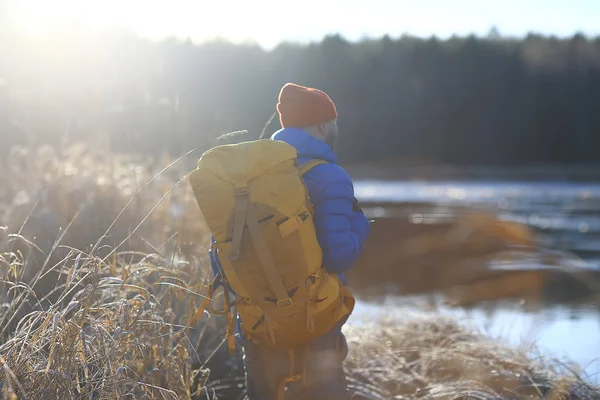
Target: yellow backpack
{"points": [[256, 205]]}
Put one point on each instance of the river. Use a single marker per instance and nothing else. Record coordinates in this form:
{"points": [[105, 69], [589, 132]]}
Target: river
{"points": [[564, 215]]}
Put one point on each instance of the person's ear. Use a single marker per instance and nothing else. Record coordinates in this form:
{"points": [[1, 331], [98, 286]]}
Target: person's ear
{"points": [[322, 128]]}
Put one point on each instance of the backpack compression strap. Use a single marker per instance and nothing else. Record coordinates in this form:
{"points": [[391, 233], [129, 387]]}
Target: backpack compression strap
{"points": [[242, 198], [283, 299], [244, 214]]}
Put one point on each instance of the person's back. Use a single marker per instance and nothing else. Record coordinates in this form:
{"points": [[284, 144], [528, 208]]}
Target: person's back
{"points": [[308, 118]]}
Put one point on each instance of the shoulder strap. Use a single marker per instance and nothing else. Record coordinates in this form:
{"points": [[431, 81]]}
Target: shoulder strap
{"points": [[307, 166]]}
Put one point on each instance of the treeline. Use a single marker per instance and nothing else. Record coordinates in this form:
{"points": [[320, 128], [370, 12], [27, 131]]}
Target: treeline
{"points": [[461, 101]]}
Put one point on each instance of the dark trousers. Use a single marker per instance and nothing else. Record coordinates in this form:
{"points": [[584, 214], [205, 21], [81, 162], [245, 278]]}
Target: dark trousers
{"points": [[313, 372]]}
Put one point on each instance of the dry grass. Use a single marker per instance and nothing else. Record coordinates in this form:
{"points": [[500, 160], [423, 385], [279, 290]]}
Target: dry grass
{"points": [[97, 203], [105, 337], [98, 291], [101, 274], [435, 357], [101, 197]]}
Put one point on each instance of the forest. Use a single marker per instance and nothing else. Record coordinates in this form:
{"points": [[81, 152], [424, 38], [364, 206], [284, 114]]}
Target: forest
{"points": [[462, 101]]}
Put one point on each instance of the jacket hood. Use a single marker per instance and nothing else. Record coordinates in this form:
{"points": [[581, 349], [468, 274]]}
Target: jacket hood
{"points": [[307, 146]]}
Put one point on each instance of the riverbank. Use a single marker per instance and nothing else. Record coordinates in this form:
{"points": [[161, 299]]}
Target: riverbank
{"points": [[103, 267], [120, 327], [132, 331], [437, 357]]}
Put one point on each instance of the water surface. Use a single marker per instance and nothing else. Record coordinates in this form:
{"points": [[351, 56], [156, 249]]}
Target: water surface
{"points": [[565, 216]]}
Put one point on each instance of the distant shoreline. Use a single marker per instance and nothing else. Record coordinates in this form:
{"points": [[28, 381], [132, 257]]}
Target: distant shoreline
{"points": [[398, 171]]}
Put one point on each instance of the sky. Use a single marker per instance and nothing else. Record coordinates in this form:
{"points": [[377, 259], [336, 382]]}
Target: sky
{"points": [[268, 22]]}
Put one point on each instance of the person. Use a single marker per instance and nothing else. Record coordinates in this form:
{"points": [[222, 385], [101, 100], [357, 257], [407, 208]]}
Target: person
{"points": [[308, 118]]}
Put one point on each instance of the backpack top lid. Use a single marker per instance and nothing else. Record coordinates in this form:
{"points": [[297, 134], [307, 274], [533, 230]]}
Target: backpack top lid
{"points": [[239, 163], [265, 169]]}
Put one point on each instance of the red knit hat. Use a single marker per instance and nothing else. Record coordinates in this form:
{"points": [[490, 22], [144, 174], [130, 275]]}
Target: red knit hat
{"points": [[301, 107]]}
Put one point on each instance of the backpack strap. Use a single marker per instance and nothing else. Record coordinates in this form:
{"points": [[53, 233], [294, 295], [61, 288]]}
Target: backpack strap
{"points": [[307, 166], [244, 215], [242, 198], [283, 298]]}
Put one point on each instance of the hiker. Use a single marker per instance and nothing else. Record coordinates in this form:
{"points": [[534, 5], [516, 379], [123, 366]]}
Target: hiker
{"points": [[310, 364]]}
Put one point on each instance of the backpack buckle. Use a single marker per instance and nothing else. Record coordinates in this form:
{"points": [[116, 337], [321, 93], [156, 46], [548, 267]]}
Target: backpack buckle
{"points": [[285, 303], [241, 192]]}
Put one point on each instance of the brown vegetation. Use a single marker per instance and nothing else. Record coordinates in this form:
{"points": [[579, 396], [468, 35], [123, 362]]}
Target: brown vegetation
{"points": [[437, 251], [121, 334], [98, 299], [423, 248], [435, 357]]}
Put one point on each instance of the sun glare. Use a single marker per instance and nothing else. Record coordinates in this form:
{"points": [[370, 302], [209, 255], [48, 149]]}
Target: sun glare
{"points": [[153, 19], [270, 21], [38, 16]]}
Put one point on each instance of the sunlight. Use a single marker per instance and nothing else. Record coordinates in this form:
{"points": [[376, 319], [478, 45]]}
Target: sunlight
{"points": [[37, 15], [151, 19], [270, 21]]}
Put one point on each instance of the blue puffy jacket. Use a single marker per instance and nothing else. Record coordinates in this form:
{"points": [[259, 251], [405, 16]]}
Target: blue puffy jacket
{"points": [[341, 232]]}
